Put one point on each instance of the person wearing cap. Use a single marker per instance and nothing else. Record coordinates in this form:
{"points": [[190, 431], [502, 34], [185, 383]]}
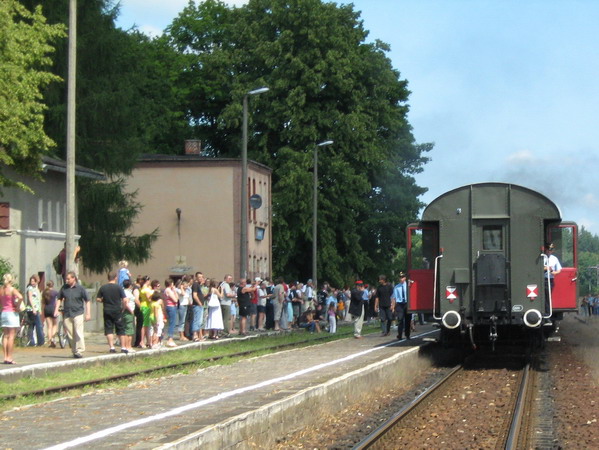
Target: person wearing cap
{"points": [[357, 308], [552, 268], [400, 298]]}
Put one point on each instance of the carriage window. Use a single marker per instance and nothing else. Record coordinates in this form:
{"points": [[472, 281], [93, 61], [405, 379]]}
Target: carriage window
{"points": [[492, 237], [563, 238], [423, 248]]}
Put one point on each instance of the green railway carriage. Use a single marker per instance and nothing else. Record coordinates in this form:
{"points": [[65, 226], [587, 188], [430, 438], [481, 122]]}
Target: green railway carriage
{"points": [[476, 262]]}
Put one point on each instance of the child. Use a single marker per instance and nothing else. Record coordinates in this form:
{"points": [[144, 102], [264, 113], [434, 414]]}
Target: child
{"points": [[124, 273], [158, 319], [128, 318], [331, 302], [234, 308], [331, 313]]}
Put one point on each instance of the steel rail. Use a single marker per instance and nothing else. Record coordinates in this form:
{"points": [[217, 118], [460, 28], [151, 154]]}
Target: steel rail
{"points": [[71, 386], [519, 411], [377, 434]]}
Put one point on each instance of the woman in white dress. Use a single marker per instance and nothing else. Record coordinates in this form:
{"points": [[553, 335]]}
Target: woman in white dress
{"points": [[215, 315]]}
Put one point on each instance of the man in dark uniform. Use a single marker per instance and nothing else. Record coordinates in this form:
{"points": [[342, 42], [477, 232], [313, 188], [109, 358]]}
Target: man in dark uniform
{"points": [[383, 304], [400, 298], [357, 308]]}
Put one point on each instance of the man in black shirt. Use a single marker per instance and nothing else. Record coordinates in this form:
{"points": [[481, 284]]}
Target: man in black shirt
{"points": [[113, 297], [75, 310], [197, 300], [383, 304], [245, 292]]}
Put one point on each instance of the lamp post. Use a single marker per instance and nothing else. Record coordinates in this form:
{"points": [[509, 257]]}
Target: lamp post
{"points": [[244, 183], [315, 214]]}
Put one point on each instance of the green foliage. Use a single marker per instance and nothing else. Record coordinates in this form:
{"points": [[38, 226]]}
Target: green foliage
{"points": [[25, 43], [107, 214], [6, 267], [588, 261], [325, 82]]}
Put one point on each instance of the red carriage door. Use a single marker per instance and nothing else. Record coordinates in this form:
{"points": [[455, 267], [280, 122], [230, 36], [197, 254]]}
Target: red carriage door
{"points": [[564, 238], [423, 248]]}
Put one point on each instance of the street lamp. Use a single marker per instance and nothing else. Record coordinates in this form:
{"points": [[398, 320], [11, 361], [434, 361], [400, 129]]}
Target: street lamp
{"points": [[315, 213], [244, 183]]}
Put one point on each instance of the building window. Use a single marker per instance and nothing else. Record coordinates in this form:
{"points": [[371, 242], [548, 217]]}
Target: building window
{"points": [[4, 216], [259, 233]]}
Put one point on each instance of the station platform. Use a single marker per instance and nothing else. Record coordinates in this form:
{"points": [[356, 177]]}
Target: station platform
{"points": [[246, 404]]}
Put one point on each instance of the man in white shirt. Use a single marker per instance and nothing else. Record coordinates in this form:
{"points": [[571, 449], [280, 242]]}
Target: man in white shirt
{"points": [[225, 303], [552, 268]]}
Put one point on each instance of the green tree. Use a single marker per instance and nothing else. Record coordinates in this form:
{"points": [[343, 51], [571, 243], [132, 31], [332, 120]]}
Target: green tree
{"points": [[26, 41], [126, 106], [108, 222], [588, 261], [6, 267], [326, 82]]}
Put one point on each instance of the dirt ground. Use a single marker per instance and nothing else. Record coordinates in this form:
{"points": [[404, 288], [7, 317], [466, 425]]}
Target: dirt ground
{"points": [[574, 366]]}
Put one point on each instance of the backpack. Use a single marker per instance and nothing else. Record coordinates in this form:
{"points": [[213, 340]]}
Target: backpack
{"points": [[56, 264]]}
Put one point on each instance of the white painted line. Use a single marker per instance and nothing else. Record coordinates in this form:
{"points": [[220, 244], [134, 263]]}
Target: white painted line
{"points": [[180, 410]]}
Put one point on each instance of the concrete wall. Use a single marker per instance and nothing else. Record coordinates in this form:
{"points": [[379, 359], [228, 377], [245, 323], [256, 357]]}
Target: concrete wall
{"points": [[206, 238], [37, 226]]}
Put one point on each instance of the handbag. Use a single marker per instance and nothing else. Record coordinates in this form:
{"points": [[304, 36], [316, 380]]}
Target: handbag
{"points": [[214, 301], [22, 307]]}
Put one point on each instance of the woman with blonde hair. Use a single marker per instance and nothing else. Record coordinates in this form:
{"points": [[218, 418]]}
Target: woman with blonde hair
{"points": [[10, 300]]}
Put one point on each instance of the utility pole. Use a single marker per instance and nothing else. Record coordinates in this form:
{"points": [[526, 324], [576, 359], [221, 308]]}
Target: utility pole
{"points": [[71, 83]]}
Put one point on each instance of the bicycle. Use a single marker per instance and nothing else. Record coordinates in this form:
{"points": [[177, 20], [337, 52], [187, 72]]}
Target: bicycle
{"points": [[22, 338], [61, 333]]}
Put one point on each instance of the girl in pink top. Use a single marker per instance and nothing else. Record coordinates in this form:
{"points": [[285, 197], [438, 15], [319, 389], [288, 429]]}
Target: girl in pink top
{"points": [[10, 299]]}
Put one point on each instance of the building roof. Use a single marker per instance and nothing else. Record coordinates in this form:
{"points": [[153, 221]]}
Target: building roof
{"points": [[160, 158], [58, 165]]}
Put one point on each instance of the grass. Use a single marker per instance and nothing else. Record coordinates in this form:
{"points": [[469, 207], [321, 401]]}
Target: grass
{"points": [[260, 346]]}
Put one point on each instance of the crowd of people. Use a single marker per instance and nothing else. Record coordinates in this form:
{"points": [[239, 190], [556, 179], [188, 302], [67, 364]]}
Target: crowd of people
{"points": [[142, 313], [589, 305]]}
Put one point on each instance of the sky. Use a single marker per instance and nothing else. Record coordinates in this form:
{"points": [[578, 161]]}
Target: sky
{"points": [[506, 90]]}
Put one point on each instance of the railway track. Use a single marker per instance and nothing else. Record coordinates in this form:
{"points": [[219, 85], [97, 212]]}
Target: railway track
{"points": [[448, 412], [129, 375]]}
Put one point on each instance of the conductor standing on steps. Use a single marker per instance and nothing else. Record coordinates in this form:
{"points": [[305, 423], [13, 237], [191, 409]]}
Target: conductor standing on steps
{"points": [[552, 268]]}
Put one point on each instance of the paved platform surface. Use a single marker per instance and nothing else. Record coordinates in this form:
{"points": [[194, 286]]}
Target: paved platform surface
{"points": [[95, 344], [150, 414]]}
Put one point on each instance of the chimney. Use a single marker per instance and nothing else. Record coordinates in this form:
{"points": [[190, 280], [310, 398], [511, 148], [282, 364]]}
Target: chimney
{"points": [[193, 147]]}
